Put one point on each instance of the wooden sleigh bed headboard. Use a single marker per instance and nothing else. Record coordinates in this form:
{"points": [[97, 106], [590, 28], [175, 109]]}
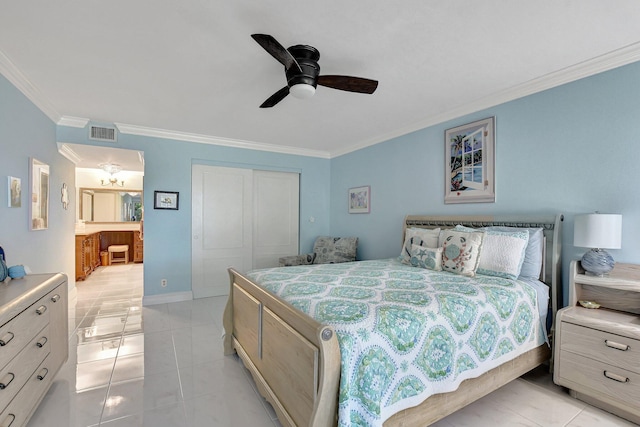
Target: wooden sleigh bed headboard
{"points": [[551, 225], [295, 360]]}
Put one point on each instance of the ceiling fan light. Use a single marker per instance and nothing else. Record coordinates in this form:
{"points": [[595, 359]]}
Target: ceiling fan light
{"points": [[302, 91]]}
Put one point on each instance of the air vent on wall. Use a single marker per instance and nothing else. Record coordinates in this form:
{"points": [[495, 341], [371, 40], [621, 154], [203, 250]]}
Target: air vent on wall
{"points": [[100, 133]]}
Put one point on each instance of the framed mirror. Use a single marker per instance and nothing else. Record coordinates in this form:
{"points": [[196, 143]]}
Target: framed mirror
{"points": [[110, 205], [39, 205]]}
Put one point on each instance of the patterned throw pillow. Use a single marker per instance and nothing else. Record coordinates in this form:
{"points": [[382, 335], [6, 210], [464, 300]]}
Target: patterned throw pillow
{"points": [[418, 236], [461, 251], [503, 252], [332, 250], [426, 257]]}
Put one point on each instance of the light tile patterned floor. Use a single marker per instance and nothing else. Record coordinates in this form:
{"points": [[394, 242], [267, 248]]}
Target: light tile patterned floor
{"points": [[163, 366]]}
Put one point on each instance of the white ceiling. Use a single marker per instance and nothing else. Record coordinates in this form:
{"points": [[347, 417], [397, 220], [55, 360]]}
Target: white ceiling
{"points": [[191, 68]]}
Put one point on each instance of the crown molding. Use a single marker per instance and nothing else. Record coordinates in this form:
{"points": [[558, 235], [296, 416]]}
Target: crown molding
{"points": [[20, 81], [600, 64], [68, 152], [74, 122], [204, 139]]}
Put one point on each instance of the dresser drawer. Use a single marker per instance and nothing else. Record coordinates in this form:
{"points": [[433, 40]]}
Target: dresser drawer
{"points": [[18, 412], [16, 333], [17, 372], [601, 378], [603, 346]]}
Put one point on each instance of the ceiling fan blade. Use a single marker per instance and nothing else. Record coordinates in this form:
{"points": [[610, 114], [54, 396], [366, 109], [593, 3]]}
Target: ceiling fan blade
{"points": [[276, 97], [348, 83], [276, 50]]}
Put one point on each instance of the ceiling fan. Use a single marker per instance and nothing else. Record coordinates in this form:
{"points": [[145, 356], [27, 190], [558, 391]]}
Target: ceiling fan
{"points": [[302, 71]]}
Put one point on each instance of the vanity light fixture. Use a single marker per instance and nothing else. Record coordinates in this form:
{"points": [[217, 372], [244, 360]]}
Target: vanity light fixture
{"points": [[111, 169]]}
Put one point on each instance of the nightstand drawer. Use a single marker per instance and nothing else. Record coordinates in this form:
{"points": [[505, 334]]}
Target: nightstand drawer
{"points": [[603, 346], [601, 378]]}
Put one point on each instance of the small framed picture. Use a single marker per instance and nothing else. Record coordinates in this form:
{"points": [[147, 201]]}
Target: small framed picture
{"points": [[165, 200], [360, 199], [15, 192]]}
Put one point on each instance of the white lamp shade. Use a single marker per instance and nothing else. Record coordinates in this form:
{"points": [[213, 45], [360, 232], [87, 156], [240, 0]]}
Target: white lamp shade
{"points": [[598, 231], [302, 91]]}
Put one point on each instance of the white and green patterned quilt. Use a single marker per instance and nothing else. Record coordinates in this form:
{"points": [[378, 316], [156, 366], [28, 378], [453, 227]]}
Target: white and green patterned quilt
{"points": [[406, 333]]}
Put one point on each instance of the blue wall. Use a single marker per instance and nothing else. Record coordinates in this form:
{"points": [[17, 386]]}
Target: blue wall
{"points": [[26, 132], [167, 244], [572, 149]]}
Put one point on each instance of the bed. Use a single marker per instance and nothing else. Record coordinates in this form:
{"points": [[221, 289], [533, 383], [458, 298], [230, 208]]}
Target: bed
{"points": [[296, 360]]}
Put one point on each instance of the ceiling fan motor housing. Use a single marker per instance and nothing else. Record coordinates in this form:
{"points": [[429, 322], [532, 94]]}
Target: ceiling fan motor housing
{"points": [[307, 57]]}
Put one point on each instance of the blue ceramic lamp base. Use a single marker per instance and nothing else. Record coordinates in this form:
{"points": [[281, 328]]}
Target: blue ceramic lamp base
{"points": [[597, 262]]}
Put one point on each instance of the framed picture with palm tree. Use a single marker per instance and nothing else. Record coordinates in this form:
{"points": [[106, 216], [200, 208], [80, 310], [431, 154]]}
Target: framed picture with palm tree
{"points": [[470, 161]]}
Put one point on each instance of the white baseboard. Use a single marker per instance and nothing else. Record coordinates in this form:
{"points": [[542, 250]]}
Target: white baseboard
{"points": [[167, 298]]}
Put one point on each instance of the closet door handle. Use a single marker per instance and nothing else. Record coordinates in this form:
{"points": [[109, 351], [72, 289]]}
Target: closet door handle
{"points": [[616, 345], [6, 339], [616, 377], [43, 373], [41, 342], [40, 310], [4, 383], [55, 298]]}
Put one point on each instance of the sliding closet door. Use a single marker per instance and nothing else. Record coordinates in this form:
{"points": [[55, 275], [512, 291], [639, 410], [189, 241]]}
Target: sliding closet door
{"points": [[221, 227], [241, 218], [275, 217]]}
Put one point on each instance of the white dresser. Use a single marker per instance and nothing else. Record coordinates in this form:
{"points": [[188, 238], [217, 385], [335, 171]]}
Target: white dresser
{"points": [[597, 351], [34, 342]]}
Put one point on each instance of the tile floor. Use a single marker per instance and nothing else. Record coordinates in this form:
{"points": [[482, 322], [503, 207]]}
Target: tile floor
{"points": [[163, 366]]}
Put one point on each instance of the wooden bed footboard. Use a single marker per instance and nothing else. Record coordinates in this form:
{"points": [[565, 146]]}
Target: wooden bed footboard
{"points": [[294, 360]]}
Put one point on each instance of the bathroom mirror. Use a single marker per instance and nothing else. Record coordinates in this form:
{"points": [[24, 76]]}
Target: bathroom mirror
{"points": [[110, 205]]}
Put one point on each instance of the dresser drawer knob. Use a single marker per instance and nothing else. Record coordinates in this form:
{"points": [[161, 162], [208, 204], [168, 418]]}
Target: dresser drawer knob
{"points": [[43, 373], [6, 339], [41, 342], [8, 420], [4, 382], [616, 377], [55, 298], [616, 345], [40, 310]]}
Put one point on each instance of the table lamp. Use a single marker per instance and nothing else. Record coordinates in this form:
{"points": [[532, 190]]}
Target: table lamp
{"points": [[598, 232]]}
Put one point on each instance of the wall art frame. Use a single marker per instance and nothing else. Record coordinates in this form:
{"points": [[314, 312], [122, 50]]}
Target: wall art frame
{"points": [[360, 200], [470, 162], [166, 200], [14, 191]]}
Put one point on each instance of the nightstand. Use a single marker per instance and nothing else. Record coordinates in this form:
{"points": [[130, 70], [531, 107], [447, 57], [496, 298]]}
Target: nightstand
{"points": [[597, 351]]}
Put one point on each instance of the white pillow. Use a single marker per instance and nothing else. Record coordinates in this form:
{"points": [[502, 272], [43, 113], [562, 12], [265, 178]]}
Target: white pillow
{"points": [[429, 258], [502, 252], [419, 236], [461, 251], [532, 263]]}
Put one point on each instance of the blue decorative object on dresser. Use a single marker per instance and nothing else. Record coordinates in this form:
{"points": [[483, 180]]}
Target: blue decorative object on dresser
{"points": [[599, 232]]}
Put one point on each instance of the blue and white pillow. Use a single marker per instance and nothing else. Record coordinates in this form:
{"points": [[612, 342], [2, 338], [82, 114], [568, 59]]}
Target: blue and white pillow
{"points": [[429, 258], [418, 236], [461, 251], [503, 252]]}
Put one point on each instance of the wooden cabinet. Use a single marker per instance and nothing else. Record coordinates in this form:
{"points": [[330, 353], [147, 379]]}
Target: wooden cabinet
{"points": [[33, 342], [89, 246], [138, 247], [597, 351], [87, 254]]}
